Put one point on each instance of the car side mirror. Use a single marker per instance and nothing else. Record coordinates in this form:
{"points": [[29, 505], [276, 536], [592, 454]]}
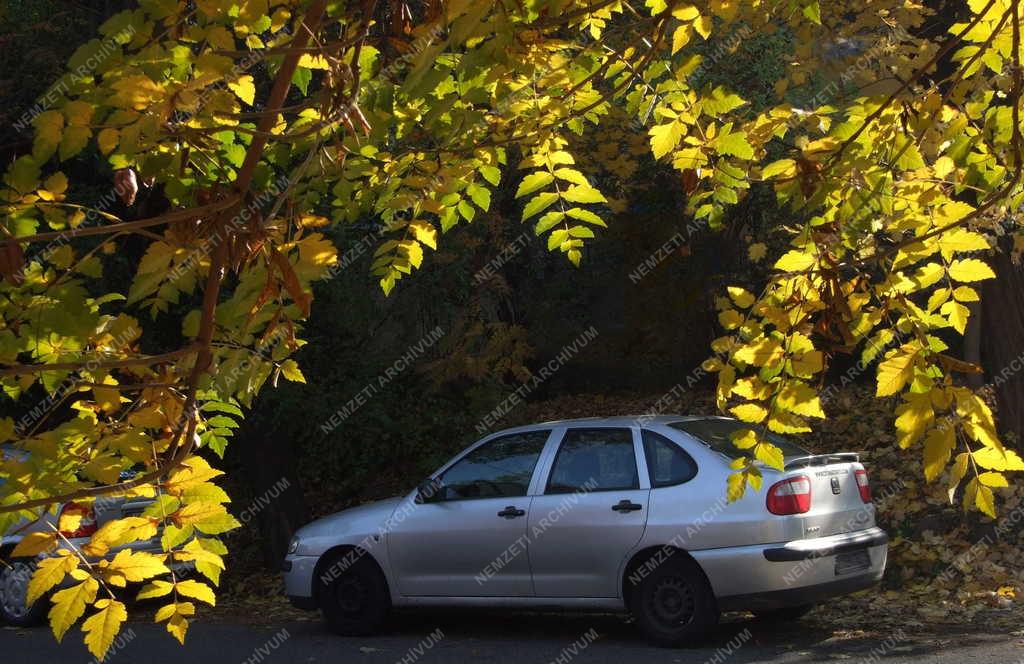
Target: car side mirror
{"points": [[429, 491]]}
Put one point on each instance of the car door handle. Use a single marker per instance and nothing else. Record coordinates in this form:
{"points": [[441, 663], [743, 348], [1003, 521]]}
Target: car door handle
{"points": [[627, 506], [511, 512]]}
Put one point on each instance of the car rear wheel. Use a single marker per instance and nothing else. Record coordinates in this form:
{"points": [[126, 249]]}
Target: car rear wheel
{"points": [[356, 601], [14, 610], [786, 614], [674, 604]]}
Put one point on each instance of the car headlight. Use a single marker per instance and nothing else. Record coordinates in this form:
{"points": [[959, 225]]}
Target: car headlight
{"points": [[293, 546]]}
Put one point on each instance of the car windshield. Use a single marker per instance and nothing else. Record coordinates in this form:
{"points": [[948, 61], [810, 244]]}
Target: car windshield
{"points": [[715, 433]]}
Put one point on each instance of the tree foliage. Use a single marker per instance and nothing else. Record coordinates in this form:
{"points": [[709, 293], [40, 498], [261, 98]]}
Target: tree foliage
{"points": [[262, 121]]}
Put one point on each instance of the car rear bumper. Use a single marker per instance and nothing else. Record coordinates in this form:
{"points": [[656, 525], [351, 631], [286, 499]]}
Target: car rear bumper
{"points": [[806, 571], [826, 546]]}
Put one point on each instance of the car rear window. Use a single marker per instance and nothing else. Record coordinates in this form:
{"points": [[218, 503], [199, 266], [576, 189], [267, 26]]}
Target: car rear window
{"points": [[715, 433]]}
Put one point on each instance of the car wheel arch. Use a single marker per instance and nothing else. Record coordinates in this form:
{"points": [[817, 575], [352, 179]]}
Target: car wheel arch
{"points": [[325, 569], [650, 557]]}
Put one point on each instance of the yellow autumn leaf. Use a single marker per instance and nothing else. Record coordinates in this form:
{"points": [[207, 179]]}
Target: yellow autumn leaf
{"points": [[244, 88], [994, 459], [49, 573], [760, 352], [135, 566], [794, 261], [938, 445], [960, 240], [970, 269], [178, 627], [685, 12], [896, 370], [757, 251], [195, 551], [176, 616], [101, 627], [783, 422], [424, 232], [956, 473], [69, 605], [993, 479], [730, 319], [743, 439], [985, 500], [681, 37], [750, 412], [194, 470], [703, 26], [210, 518], [740, 296], [800, 398], [736, 486], [118, 532], [196, 590], [770, 455], [957, 314], [107, 140], [664, 138], [33, 544], [155, 588], [913, 417], [752, 388]]}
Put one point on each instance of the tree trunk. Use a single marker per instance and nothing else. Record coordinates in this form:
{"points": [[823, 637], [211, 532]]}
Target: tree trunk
{"points": [[1002, 346], [277, 506]]}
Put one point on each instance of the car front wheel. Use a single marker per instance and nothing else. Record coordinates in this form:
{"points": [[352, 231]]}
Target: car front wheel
{"points": [[674, 603], [355, 601], [14, 610]]}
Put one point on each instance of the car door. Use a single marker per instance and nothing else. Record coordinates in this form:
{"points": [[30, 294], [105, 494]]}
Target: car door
{"points": [[469, 538], [591, 515]]}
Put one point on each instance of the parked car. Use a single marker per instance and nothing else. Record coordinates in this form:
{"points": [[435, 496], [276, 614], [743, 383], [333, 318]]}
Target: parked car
{"points": [[16, 572], [600, 514]]}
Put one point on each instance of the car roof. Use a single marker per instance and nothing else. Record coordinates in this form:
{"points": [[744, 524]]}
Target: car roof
{"points": [[618, 420]]}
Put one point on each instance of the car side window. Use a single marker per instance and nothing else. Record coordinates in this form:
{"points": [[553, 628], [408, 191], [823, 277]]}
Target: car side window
{"points": [[667, 463], [499, 468], [594, 460]]}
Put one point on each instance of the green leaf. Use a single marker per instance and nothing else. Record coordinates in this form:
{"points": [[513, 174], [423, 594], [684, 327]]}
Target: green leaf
{"points": [[664, 138], [586, 216], [539, 203], [548, 221], [301, 79], [492, 174], [533, 182], [734, 144], [583, 193]]}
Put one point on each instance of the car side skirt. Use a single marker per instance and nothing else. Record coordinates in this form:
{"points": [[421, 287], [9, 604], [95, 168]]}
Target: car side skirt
{"points": [[550, 603]]}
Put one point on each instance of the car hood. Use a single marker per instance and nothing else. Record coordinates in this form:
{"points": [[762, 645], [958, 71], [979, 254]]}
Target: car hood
{"points": [[358, 521]]}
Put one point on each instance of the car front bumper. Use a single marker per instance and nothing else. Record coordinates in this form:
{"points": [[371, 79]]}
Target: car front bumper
{"points": [[794, 573], [298, 580]]}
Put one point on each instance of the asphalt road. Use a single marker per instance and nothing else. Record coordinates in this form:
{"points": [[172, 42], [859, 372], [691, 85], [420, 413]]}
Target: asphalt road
{"points": [[516, 638]]}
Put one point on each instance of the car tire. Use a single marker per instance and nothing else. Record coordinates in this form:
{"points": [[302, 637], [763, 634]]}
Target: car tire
{"points": [[14, 577], [674, 603], [785, 614], [356, 602]]}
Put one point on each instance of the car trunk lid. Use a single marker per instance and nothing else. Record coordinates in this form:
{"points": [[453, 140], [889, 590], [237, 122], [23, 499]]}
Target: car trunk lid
{"points": [[836, 503]]}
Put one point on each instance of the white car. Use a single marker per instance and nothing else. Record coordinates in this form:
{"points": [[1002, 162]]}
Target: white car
{"points": [[619, 513]]}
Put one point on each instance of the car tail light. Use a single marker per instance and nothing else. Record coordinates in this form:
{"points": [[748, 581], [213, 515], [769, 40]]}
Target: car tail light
{"points": [[863, 486], [86, 527], [792, 496]]}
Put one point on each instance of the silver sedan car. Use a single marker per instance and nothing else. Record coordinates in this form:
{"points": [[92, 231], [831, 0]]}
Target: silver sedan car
{"points": [[625, 514]]}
